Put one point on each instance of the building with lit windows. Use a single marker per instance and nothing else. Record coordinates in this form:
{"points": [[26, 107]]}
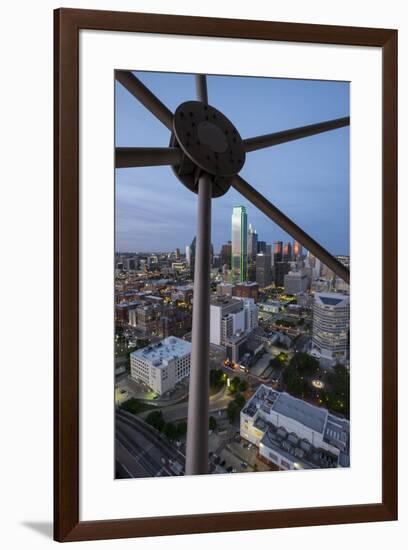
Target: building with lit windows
{"points": [[331, 325], [162, 365], [239, 252]]}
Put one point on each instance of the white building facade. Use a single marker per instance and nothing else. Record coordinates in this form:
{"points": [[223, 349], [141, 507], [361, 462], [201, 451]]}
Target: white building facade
{"points": [[293, 434], [331, 325], [230, 316], [162, 365]]}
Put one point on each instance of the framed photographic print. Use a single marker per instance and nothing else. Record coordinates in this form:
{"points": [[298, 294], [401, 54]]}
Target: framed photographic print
{"points": [[225, 274]]}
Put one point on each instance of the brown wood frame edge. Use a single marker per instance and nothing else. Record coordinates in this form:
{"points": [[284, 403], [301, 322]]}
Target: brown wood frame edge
{"points": [[67, 23]]}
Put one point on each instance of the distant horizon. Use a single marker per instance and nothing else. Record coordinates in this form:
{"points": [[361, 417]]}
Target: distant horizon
{"points": [[308, 179], [183, 251]]}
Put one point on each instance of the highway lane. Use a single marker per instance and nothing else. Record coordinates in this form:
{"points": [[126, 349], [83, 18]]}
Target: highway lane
{"points": [[148, 439], [140, 459]]}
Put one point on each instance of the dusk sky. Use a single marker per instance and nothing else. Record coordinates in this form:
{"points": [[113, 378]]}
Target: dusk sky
{"points": [[307, 179]]}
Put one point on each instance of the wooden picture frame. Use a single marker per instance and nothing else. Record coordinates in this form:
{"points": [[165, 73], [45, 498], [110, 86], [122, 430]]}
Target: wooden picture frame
{"points": [[68, 23]]}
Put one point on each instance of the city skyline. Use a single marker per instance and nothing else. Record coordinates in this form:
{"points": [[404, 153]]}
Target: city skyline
{"points": [[312, 173], [286, 240]]}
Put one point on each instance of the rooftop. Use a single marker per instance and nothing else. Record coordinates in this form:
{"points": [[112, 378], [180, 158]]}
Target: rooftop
{"points": [[221, 301], [335, 430], [165, 350], [332, 298], [292, 447], [309, 415]]}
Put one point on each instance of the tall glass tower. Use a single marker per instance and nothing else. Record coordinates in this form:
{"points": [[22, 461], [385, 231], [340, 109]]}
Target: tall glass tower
{"points": [[239, 233]]}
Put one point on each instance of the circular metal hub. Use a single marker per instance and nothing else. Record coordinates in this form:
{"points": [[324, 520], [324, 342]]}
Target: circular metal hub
{"points": [[210, 142]]}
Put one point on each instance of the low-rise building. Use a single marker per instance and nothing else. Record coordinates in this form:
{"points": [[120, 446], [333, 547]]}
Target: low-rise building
{"points": [[161, 366], [183, 293], [246, 289], [225, 289], [293, 434]]}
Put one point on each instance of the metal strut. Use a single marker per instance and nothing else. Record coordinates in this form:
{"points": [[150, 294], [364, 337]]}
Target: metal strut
{"points": [[198, 399]]}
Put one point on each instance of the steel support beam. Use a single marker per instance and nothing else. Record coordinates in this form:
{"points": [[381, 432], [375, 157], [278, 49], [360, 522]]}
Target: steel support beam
{"points": [[290, 227], [201, 87], [198, 399], [269, 140], [146, 97], [128, 157]]}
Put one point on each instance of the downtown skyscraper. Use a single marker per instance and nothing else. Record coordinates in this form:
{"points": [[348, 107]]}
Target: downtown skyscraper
{"points": [[239, 251], [252, 243]]}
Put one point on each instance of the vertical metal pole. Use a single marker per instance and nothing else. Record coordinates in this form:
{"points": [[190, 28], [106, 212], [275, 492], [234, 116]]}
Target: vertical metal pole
{"points": [[197, 422], [201, 87]]}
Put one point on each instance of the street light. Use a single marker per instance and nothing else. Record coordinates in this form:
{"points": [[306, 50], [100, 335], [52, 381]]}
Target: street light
{"points": [[206, 153]]}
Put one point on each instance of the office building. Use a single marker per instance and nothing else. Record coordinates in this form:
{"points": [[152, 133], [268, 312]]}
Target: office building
{"points": [[161, 366], [279, 270], [229, 316], [297, 250], [225, 289], [124, 309], [331, 324], [261, 247], [252, 244], [239, 233], [146, 318], [315, 266], [287, 252], [277, 252], [246, 290], [183, 294], [235, 346], [190, 256], [296, 282], [225, 254], [263, 269], [130, 264]]}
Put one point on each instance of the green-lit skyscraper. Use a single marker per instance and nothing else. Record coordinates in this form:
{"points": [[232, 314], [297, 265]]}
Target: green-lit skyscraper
{"points": [[239, 233]]}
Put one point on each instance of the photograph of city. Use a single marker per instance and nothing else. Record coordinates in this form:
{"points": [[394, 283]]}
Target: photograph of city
{"points": [[232, 319]]}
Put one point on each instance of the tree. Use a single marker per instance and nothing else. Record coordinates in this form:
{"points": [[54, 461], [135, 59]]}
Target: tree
{"points": [[296, 382], [234, 407], [181, 428], [232, 411], [304, 363], [338, 398], [243, 385], [155, 419], [170, 430], [212, 423], [239, 400], [216, 378], [234, 384]]}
